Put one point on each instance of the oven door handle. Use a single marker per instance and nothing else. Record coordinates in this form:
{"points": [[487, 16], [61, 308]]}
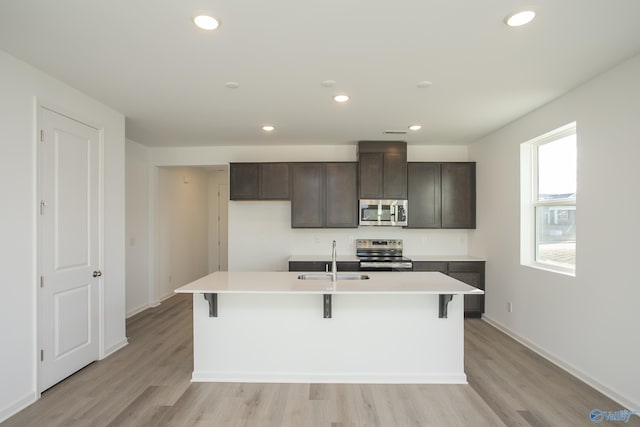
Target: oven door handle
{"points": [[373, 264]]}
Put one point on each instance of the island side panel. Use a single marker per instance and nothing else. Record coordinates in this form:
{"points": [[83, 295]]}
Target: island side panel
{"points": [[370, 339]]}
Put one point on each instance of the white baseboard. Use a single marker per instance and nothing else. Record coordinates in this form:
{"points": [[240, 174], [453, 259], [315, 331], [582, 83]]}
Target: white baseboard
{"points": [[137, 310], [17, 406], [151, 304], [306, 378], [109, 351], [612, 394], [167, 296]]}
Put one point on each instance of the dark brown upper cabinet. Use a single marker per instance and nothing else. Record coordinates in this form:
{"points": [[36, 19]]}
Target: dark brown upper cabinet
{"points": [[307, 195], [275, 183], [458, 195], [341, 195], [424, 205], [324, 195], [442, 195], [260, 181], [244, 181], [382, 169]]}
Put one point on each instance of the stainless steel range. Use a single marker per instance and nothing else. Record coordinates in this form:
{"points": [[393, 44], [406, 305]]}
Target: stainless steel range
{"points": [[382, 255]]}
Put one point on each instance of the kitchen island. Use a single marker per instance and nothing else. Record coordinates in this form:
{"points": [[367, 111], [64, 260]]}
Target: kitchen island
{"points": [[274, 327]]}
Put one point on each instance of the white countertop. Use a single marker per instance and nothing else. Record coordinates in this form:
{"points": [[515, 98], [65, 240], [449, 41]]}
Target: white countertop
{"points": [[288, 282]]}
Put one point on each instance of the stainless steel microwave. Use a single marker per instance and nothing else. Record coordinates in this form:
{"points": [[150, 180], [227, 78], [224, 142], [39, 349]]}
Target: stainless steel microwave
{"points": [[383, 212]]}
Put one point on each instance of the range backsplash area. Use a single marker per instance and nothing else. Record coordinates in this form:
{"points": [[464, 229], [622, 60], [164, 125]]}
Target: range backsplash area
{"points": [[261, 238]]}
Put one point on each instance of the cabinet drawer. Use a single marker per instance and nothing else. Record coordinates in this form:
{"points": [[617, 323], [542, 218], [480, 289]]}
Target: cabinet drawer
{"points": [[471, 266], [307, 266], [430, 266]]}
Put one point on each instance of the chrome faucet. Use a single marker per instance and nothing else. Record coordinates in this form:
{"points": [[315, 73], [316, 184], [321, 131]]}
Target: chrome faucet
{"points": [[334, 266]]}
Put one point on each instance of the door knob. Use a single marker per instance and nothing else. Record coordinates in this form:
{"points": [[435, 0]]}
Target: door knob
{"points": [[97, 273]]}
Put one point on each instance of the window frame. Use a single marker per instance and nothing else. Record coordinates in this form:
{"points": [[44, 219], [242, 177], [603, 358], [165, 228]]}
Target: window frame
{"points": [[529, 171]]}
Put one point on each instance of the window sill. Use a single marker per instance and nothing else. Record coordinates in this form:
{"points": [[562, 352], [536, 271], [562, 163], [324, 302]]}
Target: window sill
{"points": [[571, 272]]}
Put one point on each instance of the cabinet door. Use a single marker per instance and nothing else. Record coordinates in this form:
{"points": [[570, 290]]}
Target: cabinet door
{"points": [[395, 175], [307, 195], [274, 181], [425, 209], [341, 195], [371, 167], [244, 183], [471, 273], [458, 195]]}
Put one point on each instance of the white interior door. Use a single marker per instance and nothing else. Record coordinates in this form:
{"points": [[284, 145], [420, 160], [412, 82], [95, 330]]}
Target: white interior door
{"points": [[69, 247]]}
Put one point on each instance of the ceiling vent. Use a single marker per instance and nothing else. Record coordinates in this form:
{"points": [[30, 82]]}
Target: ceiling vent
{"points": [[394, 132]]}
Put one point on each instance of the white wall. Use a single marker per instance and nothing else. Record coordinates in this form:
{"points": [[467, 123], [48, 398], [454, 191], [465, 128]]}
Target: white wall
{"points": [[137, 225], [588, 323], [182, 227], [261, 238], [218, 228], [20, 85]]}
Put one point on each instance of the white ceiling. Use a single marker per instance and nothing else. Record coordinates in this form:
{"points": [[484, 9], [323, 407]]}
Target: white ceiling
{"points": [[147, 60]]}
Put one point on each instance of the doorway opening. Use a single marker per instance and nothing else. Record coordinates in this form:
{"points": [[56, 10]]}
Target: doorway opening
{"points": [[191, 224]]}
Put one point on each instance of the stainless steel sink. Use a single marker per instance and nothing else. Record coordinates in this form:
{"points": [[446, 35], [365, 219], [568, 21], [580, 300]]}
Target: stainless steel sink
{"points": [[327, 276]]}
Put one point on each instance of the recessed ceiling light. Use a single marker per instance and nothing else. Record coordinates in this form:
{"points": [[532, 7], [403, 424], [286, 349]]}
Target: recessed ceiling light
{"points": [[341, 98], [415, 127], [268, 128], [206, 22], [520, 18], [232, 85]]}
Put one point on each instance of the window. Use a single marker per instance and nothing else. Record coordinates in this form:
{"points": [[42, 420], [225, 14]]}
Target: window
{"points": [[548, 208]]}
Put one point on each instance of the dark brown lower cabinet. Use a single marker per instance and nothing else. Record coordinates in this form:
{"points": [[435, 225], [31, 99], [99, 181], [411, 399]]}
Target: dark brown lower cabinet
{"points": [[469, 272], [323, 266]]}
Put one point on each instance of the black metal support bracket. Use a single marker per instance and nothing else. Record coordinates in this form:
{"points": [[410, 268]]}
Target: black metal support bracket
{"points": [[445, 299], [326, 298], [212, 299]]}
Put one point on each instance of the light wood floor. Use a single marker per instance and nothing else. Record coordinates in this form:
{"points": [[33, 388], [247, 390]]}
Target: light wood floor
{"points": [[147, 384]]}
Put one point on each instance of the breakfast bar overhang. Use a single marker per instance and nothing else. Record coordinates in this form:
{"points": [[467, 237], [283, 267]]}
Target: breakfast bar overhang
{"points": [[379, 327]]}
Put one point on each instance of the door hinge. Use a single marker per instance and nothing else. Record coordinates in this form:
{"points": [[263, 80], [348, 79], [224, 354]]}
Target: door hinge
{"points": [[42, 355], [43, 206], [42, 281], [41, 135]]}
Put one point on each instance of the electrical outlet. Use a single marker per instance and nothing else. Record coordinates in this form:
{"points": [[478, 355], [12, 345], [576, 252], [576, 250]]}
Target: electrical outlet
{"points": [[509, 307]]}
